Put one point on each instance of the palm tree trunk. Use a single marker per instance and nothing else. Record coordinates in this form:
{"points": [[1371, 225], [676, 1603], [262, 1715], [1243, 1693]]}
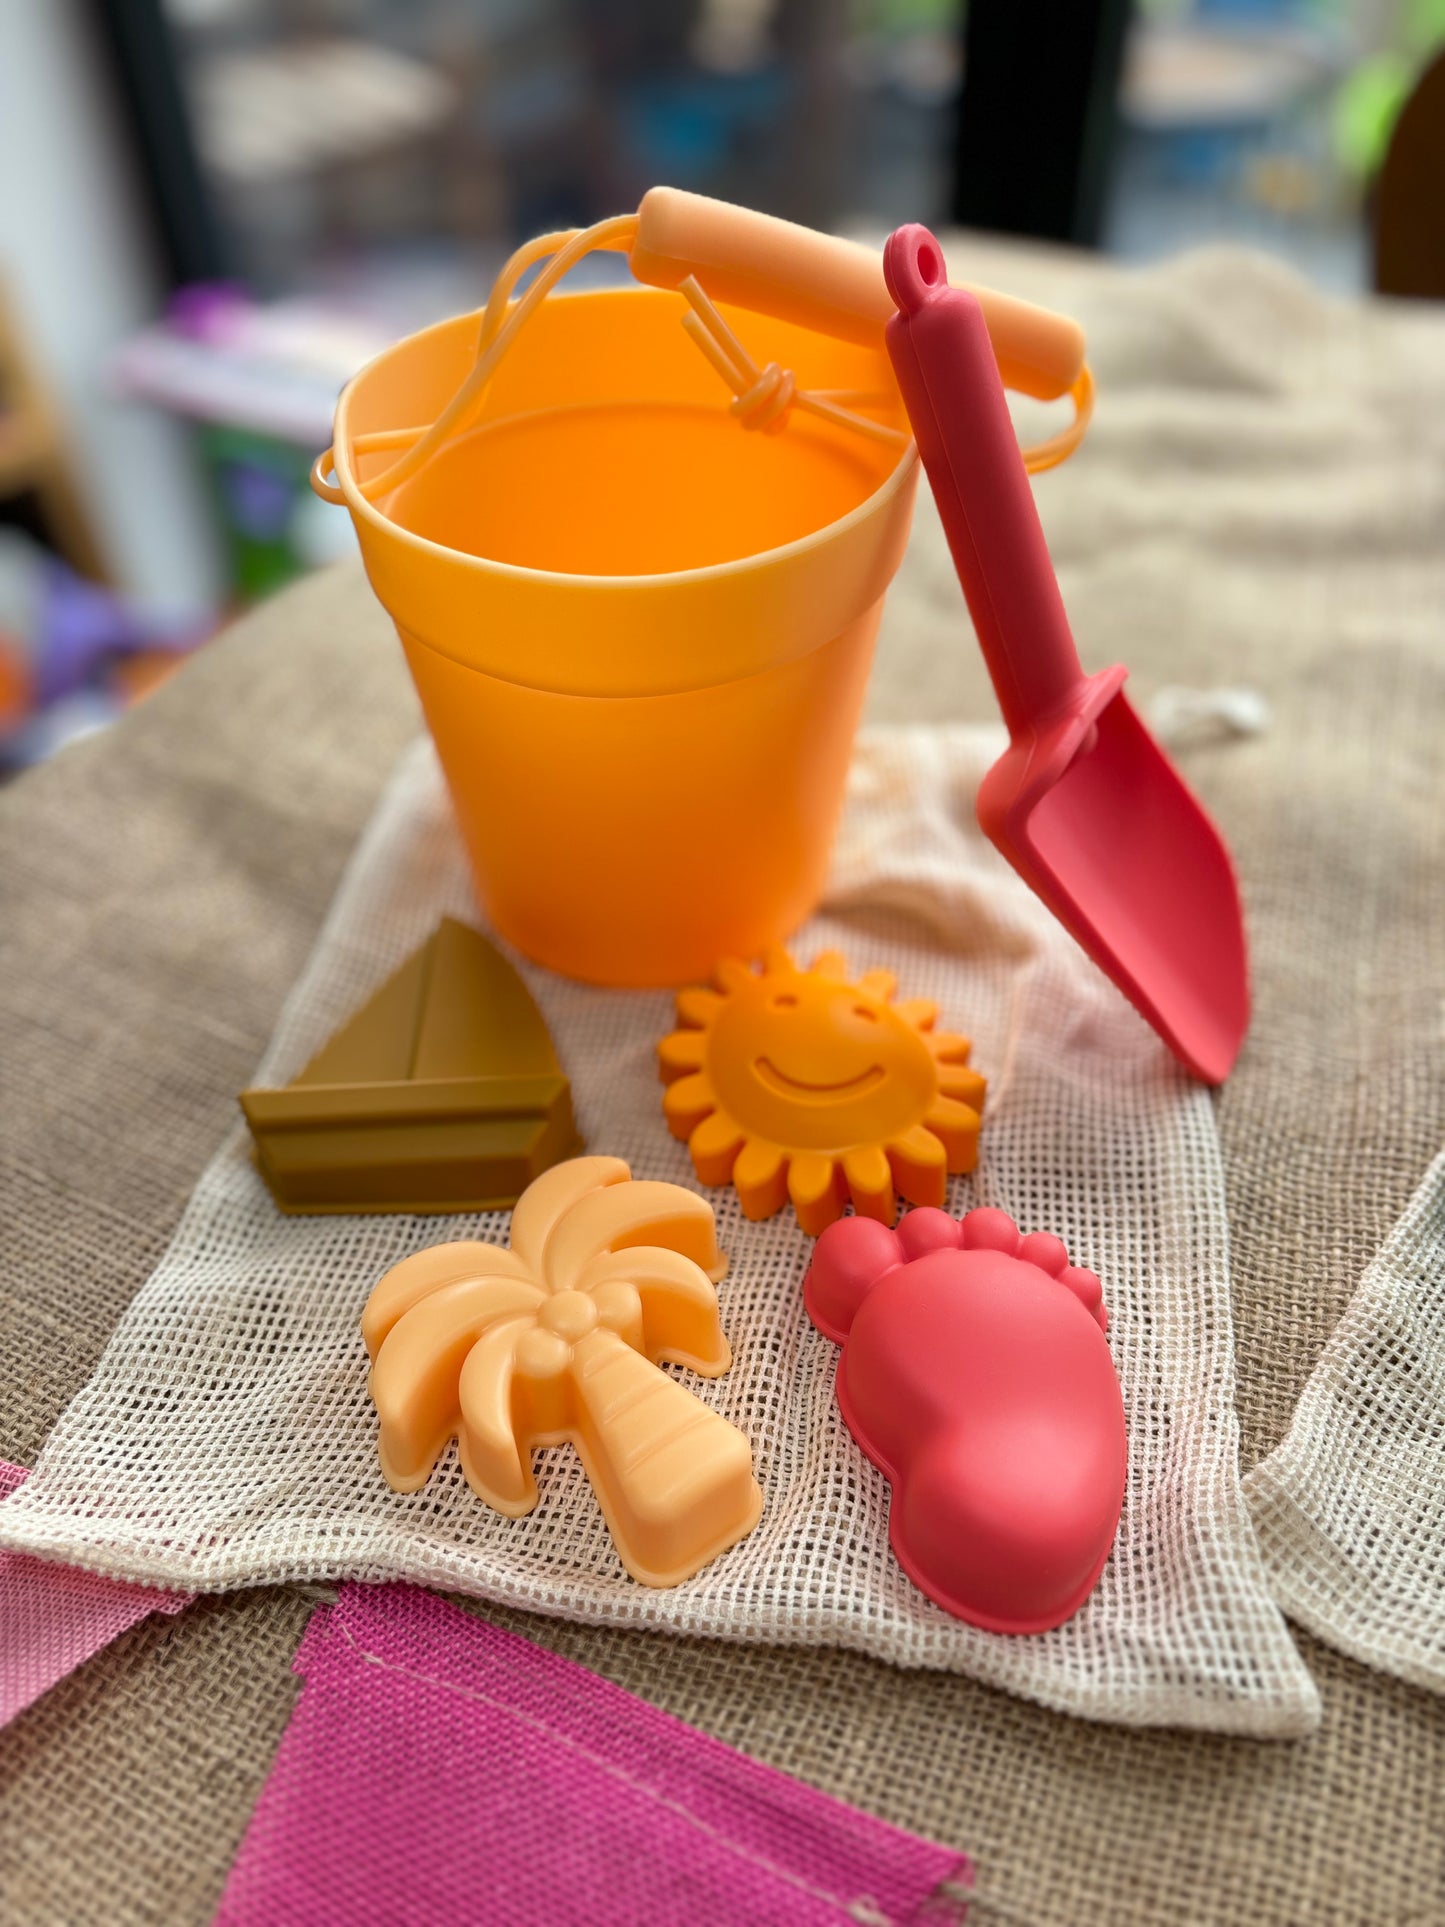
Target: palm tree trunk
{"points": [[674, 1479]]}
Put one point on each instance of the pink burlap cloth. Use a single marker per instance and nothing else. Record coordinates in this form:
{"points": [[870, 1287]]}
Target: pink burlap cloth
{"points": [[437, 1768], [53, 1617]]}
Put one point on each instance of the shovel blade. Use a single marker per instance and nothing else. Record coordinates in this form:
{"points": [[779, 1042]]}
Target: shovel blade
{"points": [[1112, 840]]}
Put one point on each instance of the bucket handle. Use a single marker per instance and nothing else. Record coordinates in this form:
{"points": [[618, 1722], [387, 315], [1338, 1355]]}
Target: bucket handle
{"points": [[762, 397], [323, 471], [499, 325]]}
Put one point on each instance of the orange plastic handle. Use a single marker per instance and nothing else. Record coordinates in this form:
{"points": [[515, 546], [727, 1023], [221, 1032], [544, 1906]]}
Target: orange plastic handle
{"points": [[774, 267]]}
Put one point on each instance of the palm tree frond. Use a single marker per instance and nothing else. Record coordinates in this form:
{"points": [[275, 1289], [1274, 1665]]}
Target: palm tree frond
{"points": [[415, 1379], [496, 1463], [644, 1212], [425, 1272], [678, 1302], [549, 1198]]}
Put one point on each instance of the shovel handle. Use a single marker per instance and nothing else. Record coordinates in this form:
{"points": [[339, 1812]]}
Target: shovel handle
{"points": [[939, 344]]}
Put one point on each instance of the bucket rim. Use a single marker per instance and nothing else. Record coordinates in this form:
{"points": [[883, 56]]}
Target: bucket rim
{"points": [[359, 507]]}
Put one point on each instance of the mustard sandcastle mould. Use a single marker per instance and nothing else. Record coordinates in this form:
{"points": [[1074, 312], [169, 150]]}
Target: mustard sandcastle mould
{"points": [[441, 1093]]}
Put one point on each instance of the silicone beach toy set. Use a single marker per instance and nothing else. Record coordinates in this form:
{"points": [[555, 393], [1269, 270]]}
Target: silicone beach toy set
{"points": [[638, 576]]}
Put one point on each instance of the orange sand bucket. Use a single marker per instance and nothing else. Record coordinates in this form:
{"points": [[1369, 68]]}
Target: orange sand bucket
{"points": [[640, 633]]}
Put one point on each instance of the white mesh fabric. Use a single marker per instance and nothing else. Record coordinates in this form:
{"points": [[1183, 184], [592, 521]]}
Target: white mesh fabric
{"points": [[1350, 1506], [226, 1437]]}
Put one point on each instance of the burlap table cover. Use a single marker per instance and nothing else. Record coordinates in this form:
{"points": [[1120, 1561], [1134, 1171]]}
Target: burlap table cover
{"points": [[1260, 502]]}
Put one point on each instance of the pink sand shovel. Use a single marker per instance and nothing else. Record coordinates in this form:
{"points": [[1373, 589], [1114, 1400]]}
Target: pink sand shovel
{"points": [[1083, 803]]}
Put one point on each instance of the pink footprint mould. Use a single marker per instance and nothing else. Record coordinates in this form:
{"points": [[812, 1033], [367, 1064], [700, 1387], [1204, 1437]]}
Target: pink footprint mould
{"points": [[975, 1373]]}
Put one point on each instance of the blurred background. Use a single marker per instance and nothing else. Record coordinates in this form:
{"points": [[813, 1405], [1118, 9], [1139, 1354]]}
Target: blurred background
{"points": [[216, 209]]}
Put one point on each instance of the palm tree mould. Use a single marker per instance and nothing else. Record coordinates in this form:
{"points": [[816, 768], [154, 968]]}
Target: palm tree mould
{"points": [[559, 1336]]}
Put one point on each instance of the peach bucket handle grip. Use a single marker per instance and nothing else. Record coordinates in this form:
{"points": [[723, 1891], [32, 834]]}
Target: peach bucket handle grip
{"points": [[774, 267], [755, 261]]}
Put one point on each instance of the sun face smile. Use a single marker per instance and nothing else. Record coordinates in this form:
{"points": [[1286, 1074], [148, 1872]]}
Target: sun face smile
{"points": [[797, 1087], [805, 1085]]}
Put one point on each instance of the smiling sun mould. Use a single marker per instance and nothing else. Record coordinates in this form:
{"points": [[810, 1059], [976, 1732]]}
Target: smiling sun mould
{"points": [[802, 1084]]}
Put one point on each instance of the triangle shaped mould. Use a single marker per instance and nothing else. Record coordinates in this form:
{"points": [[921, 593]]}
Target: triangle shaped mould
{"points": [[442, 1093]]}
